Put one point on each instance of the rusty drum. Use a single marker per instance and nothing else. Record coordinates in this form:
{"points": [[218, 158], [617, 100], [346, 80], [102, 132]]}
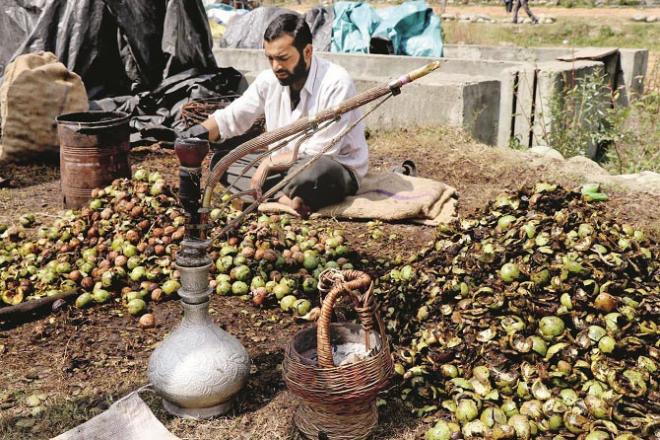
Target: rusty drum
{"points": [[94, 149]]}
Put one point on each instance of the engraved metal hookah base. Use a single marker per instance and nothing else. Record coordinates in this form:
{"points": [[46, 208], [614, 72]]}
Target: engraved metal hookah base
{"points": [[197, 413], [199, 367]]}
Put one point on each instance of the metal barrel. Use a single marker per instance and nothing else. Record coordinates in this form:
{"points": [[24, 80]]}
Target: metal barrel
{"points": [[94, 149]]}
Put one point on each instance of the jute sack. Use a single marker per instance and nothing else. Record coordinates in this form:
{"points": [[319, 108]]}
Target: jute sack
{"points": [[391, 197], [35, 90]]}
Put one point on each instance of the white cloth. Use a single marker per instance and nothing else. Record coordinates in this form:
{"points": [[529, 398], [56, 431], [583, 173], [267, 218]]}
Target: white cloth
{"points": [[327, 85], [127, 419]]}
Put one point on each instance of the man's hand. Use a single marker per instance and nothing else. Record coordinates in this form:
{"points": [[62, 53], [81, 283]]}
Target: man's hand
{"points": [[260, 175], [213, 132], [196, 131]]}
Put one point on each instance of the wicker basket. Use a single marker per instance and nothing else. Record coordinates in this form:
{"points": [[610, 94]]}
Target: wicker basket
{"points": [[339, 402]]}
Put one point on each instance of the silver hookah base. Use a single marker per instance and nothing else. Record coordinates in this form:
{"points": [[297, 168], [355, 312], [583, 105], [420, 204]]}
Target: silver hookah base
{"points": [[197, 413]]}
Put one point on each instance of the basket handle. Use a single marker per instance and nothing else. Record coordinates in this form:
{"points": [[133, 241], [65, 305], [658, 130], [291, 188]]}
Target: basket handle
{"points": [[349, 281]]}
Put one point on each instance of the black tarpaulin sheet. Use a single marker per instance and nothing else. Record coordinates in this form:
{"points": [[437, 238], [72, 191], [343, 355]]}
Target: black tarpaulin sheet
{"points": [[147, 58], [17, 18]]}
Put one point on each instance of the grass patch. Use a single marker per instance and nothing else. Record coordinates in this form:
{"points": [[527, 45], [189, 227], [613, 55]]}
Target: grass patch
{"points": [[635, 142], [567, 31]]}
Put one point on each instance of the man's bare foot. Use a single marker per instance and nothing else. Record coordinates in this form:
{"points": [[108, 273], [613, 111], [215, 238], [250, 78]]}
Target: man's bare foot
{"points": [[297, 204]]}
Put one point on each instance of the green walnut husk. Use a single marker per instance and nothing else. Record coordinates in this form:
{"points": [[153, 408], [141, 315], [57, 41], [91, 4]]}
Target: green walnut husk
{"points": [[129, 235], [567, 332]]}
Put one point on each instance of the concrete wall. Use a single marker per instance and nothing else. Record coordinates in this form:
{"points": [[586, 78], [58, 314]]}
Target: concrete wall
{"points": [[368, 66], [469, 102], [457, 100], [497, 101], [466, 75], [634, 62], [553, 78]]}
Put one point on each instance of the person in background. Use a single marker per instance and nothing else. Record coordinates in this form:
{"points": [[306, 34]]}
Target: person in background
{"points": [[517, 4]]}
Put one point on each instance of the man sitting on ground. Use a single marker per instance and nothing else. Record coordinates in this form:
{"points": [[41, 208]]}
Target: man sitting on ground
{"points": [[298, 84]]}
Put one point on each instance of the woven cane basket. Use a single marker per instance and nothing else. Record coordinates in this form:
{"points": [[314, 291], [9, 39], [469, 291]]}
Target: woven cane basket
{"points": [[339, 402]]}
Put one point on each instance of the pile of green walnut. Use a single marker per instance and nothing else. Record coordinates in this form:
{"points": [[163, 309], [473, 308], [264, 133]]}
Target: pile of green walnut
{"points": [[538, 318], [121, 248]]}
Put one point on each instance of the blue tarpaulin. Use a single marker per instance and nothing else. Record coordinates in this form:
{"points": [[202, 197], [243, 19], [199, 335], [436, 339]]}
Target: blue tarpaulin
{"points": [[411, 28]]}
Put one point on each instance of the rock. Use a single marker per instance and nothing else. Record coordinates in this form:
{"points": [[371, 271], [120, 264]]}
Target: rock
{"points": [[33, 400], [546, 19], [646, 181], [449, 16], [651, 19], [541, 150], [25, 423], [466, 17], [638, 17]]}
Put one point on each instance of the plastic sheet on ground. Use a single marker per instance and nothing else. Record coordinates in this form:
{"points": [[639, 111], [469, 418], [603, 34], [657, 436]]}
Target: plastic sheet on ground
{"points": [[145, 58], [156, 113], [411, 28], [320, 22], [121, 46], [17, 20], [247, 31], [352, 28], [222, 13]]}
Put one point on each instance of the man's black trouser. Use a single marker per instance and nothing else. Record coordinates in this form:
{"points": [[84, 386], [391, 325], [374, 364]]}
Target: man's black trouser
{"points": [[323, 183], [516, 7]]}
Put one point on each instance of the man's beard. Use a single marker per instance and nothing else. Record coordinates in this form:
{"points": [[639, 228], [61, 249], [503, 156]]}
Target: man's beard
{"points": [[299, 72]]}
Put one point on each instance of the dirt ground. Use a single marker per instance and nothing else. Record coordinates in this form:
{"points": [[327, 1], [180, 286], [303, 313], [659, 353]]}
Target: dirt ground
{"points": [[600, 12], [84, 360], [499, 11]]}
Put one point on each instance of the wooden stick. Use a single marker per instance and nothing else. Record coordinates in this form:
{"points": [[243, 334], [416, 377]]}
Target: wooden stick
{"points": [[26, 307]]}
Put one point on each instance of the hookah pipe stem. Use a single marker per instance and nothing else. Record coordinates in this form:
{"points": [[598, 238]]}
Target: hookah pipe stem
{"points": [[189, 197], [191, 153]]}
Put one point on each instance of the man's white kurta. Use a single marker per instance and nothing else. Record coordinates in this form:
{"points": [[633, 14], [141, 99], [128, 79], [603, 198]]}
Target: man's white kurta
{"points": [[327, 85]]}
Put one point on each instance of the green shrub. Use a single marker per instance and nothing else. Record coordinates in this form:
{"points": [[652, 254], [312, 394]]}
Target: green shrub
{"points": [[580, 116], [626, 139]]}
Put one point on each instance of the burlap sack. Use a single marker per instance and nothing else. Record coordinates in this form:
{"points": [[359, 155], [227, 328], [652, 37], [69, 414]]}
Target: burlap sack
{"points": [[391, 197], [35, 90]]}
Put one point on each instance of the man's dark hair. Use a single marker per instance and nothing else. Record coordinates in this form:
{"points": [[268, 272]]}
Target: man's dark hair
{"points": [[290, 24]]}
